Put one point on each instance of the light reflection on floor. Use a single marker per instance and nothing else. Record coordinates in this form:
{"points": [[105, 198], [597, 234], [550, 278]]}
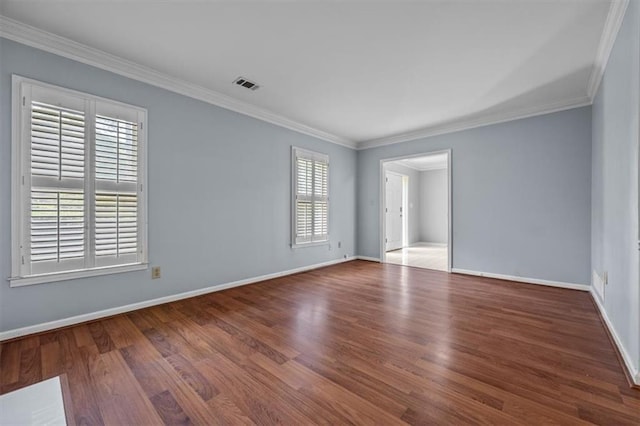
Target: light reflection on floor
{"points": [[421, 255]]}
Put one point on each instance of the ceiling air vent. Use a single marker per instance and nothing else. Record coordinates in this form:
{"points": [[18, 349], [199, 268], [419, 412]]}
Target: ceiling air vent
{"points": [[241, 81]]}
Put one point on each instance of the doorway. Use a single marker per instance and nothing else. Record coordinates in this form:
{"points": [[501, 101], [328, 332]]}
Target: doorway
{"points": [[415, 213]]}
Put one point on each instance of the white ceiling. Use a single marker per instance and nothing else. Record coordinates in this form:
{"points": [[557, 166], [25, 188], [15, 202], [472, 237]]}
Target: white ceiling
{"points": [[427, 162], [355, 71]]}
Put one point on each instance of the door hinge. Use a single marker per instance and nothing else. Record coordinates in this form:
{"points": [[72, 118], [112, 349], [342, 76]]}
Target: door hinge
{"points": [[386, 240], [386, 210], [24, 101], [386, 179], [141, 126], [23, 260]]}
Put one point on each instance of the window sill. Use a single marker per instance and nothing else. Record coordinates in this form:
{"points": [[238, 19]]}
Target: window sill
{"points": [[71, 275], [313, 244]]}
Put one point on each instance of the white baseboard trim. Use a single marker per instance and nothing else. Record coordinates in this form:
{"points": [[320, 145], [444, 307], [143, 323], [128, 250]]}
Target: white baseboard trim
{"points": [[633, 371], [65, 322], [572, 286], [427, 244], [370, 259]]}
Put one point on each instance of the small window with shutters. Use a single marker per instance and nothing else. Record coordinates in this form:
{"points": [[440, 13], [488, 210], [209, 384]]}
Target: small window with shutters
{"points": [[310, 197], [78, 195]]}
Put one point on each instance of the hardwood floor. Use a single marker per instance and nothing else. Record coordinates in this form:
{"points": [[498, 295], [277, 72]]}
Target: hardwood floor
{"points": [[358, 342]]}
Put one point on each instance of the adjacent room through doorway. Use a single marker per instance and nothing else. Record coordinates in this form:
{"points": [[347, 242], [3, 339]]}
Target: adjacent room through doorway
{"points": [[416, 211]]}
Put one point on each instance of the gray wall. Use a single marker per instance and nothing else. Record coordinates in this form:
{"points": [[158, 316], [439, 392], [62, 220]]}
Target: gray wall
{"points": [[615, 183], [220, 164], [413, 198], [434, 206], [521, 196]]}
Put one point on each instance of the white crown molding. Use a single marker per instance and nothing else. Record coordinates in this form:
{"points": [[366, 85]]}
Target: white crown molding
{"points": [[612, 25], [34, 37], [481, 121]]}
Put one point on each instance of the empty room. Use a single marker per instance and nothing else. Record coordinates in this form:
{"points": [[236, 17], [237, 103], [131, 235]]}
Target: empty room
{"points": [[319, 212]]}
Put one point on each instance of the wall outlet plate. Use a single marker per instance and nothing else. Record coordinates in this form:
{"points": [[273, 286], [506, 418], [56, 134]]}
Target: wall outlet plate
{"points": [[155, 272]]}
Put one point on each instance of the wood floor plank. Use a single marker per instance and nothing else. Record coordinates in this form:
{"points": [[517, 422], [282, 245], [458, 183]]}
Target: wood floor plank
{"points": [[192, 377], [122, 401], [51, 361], [155, 375], [9, 364], [169, 409], [227, 413], [122, 332], [83, 392], [83, 335], [355, 343], [248, 394], [100, 336]]}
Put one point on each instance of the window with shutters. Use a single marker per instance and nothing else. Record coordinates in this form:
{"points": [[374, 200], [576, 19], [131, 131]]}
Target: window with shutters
{"points": [[78, 196], [310, 197]]}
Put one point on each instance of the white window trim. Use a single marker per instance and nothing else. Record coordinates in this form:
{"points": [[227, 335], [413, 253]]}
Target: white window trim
{"points": [[19, 201], [309, 154]]}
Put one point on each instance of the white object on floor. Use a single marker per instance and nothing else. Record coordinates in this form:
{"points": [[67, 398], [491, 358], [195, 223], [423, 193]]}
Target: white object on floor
{"points": [[421, 255], [38, 404]]}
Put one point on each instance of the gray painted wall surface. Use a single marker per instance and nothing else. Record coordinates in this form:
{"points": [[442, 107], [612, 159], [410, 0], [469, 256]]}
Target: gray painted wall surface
{"points": [[434, 206], [413, 199], [615, 183], [218, 163], [521, 196]]}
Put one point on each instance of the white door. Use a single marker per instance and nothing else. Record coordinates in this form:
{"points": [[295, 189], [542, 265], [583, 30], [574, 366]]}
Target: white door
{"points": [[393, 211]]}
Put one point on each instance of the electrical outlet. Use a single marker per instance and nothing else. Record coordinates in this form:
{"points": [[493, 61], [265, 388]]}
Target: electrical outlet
{"points": [[155, 272]]}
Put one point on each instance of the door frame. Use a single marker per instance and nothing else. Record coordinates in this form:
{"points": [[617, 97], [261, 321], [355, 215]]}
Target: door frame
{"points": [[404, 204], [383, 202]]}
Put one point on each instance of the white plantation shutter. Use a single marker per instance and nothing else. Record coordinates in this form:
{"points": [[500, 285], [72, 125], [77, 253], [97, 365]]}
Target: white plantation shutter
{"points": [[116, 150], [57, 141], [57, 225], [116, 200], [310, 197], [78, 200], [56, 215]]}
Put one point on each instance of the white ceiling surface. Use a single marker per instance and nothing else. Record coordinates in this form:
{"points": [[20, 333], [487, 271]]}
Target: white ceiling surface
{"points": [[359, 70], [428, 162]]}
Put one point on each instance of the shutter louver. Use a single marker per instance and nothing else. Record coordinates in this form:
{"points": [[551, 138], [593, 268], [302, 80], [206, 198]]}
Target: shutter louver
{"points": [[57, 163], [116, 224], [304, 221], [57, 141], [116, 150], [320, 219], [311, 188], [57, 225]]}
